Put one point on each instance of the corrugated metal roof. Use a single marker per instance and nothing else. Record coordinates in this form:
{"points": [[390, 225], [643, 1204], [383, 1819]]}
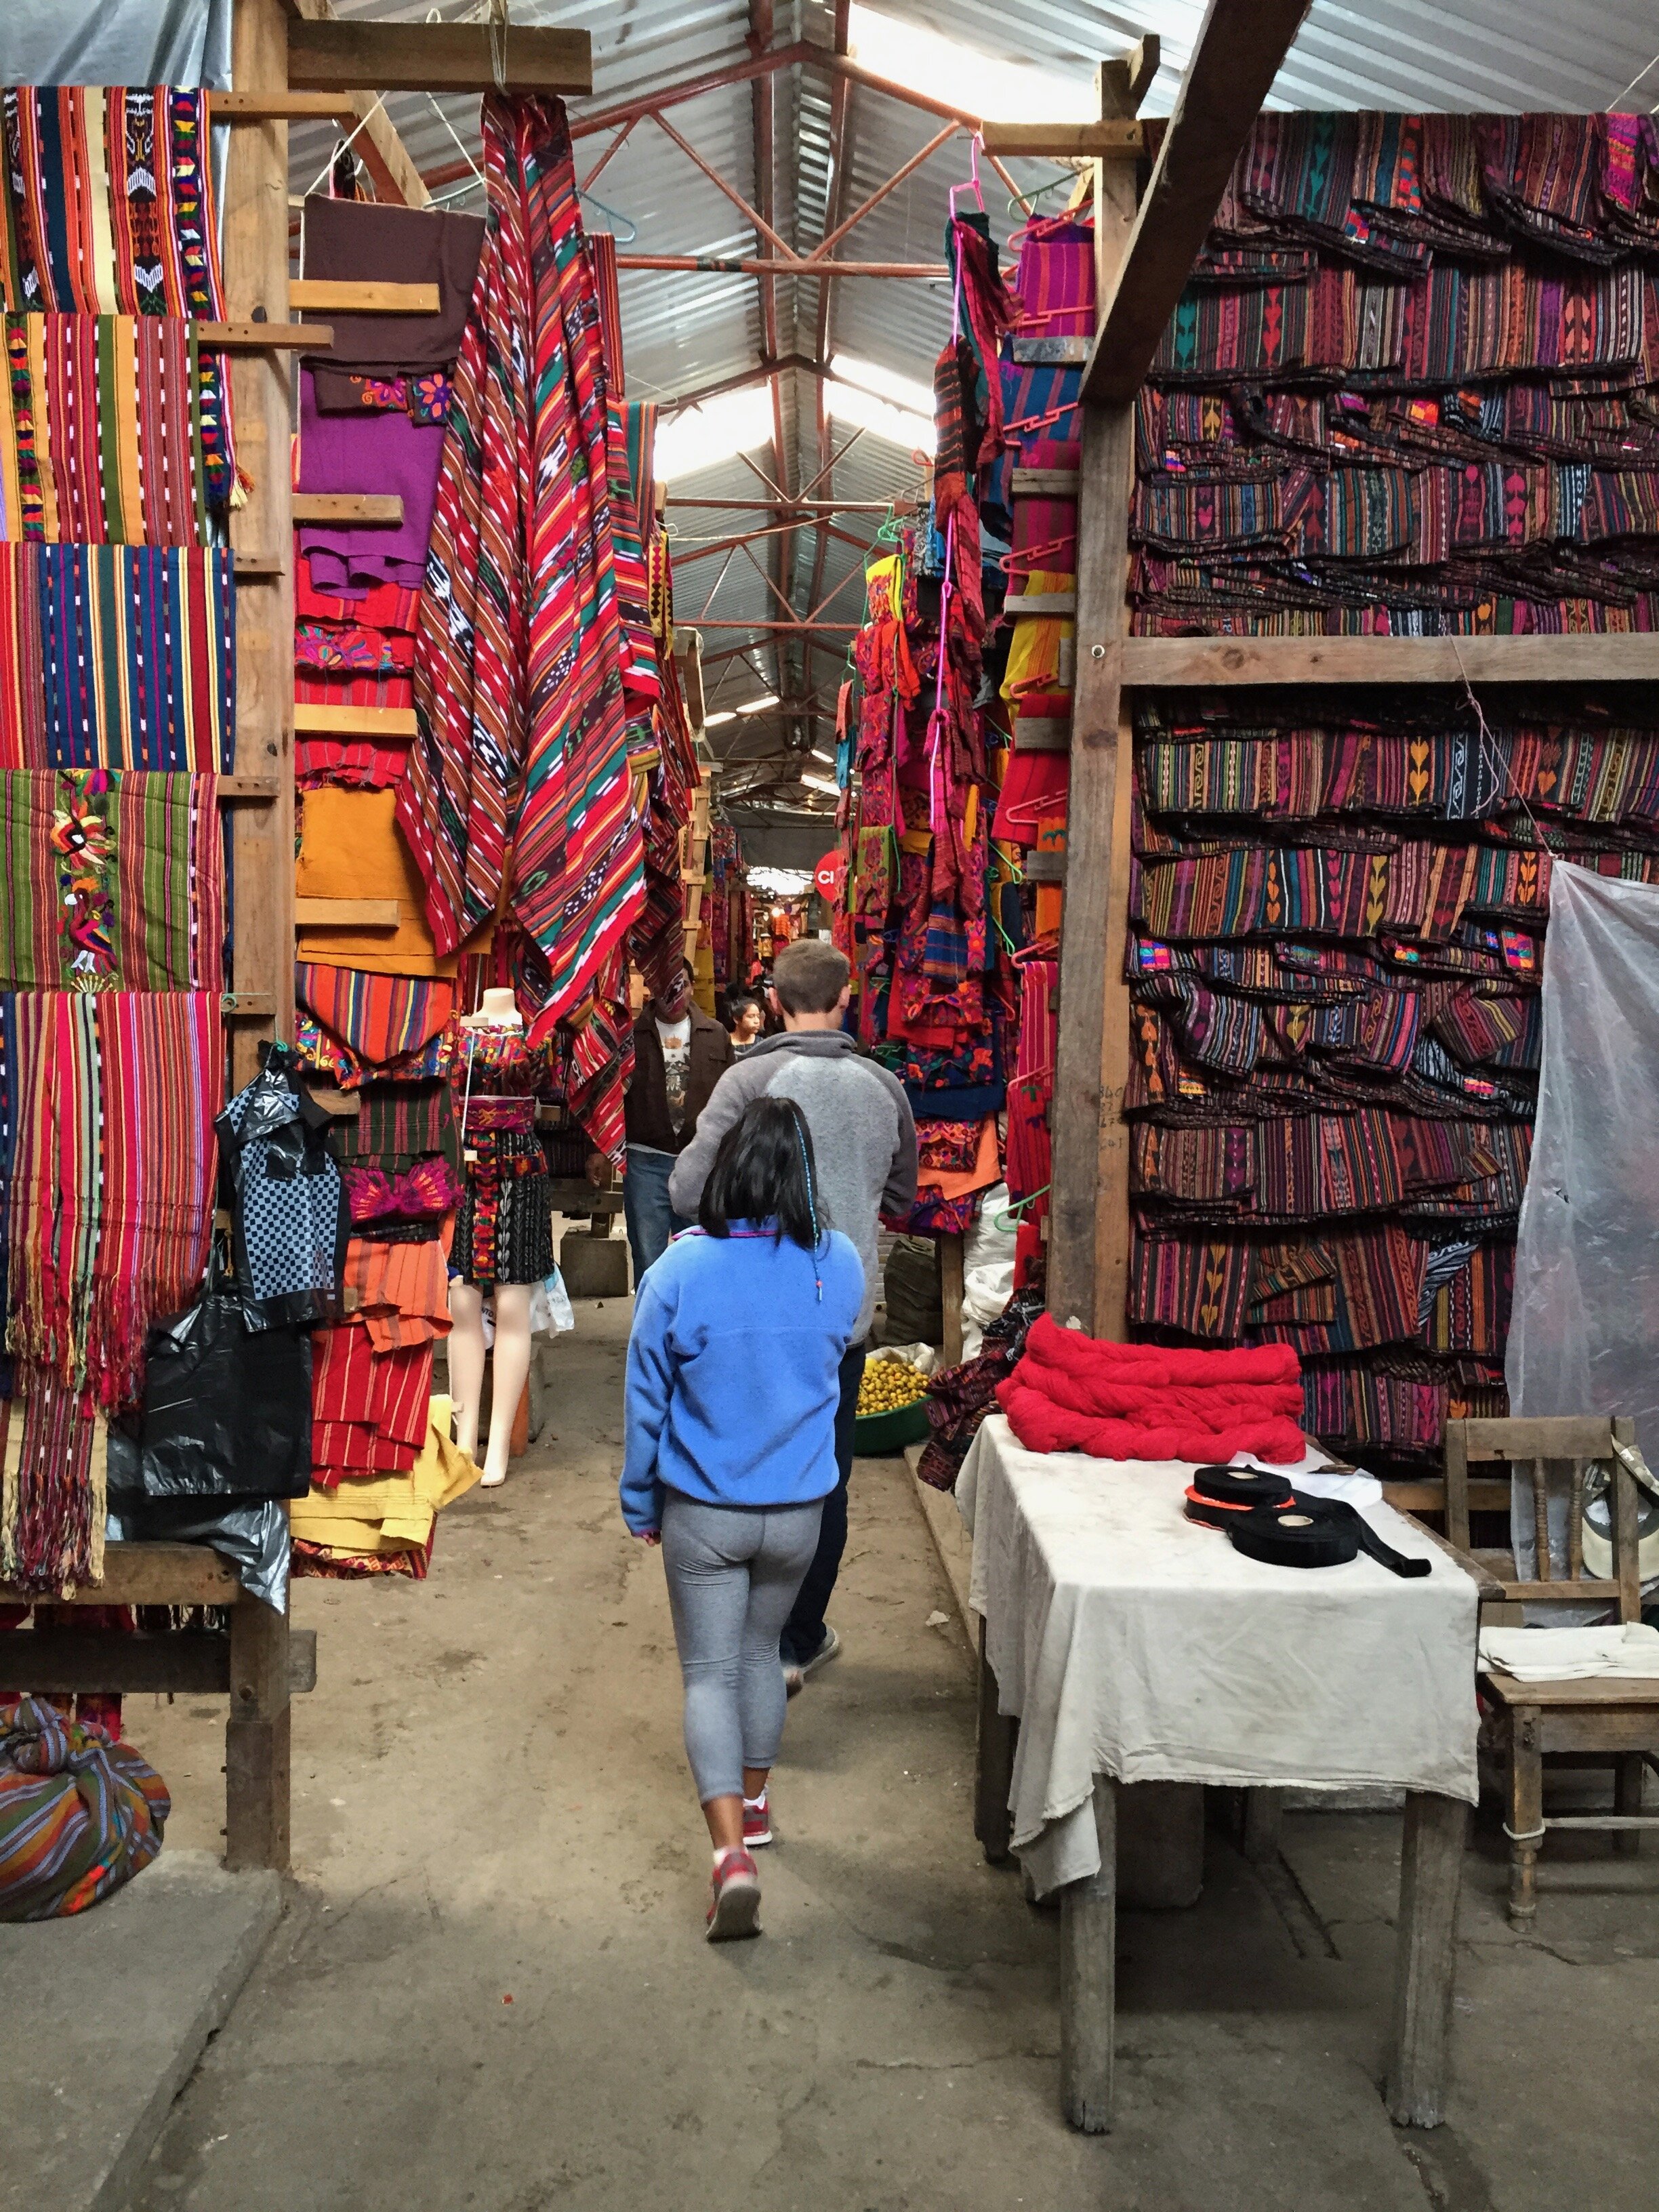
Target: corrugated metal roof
{"points": [[687, 329]]}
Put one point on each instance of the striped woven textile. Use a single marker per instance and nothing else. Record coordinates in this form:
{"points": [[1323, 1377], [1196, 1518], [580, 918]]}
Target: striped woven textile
{"points": [[378, 1018], [602, 253], [397, 1124], [109, 206], [1055, 279], [368, 1408], [53, 1491], [106, 1158], [106, 431], [117, 657], [517, 673], [108, 210], [79, 1814], [114, 882]]}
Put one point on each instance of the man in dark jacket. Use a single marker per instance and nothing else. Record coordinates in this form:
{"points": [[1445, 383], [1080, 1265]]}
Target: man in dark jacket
{"points": [[680, 1055]]}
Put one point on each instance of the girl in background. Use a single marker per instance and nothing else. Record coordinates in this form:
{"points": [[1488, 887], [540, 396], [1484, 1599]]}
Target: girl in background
{"points": [[733, 1364]]}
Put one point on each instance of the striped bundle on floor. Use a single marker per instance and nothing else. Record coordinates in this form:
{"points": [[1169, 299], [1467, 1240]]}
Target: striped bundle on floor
{"points": [[79, 1815], [106, 425]]}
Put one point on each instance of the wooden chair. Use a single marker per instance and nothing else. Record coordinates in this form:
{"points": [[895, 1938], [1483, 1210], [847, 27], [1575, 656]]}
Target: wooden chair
{"points": [[1612, 1721]]}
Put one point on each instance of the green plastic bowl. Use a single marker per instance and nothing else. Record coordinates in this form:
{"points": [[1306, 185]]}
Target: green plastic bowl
{"points": [[875, 1435]]}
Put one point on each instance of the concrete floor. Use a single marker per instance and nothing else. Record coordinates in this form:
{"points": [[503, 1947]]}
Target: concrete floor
{"points": [[493, 1991]]}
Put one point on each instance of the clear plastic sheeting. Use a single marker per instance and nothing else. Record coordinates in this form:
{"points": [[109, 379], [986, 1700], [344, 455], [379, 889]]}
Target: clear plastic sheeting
{"points": [[1585, 1334], [1585, 1338]]}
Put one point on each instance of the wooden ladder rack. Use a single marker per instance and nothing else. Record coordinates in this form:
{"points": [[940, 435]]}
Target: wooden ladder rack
{"points": [[258, 1661]]}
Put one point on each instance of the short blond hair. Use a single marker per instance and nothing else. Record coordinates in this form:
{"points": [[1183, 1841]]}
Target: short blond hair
{"points": [[808, 976]]}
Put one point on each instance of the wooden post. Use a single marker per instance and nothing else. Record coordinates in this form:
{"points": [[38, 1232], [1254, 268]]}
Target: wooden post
{"points": [[256, 278], [1526, 1813], [1625, 1548], [950, 1294], [1264, 1811], [257, 1739], [1142, 258], [1431, 1875], [1089, 1206], [993, 1765], [1088, 1977]]}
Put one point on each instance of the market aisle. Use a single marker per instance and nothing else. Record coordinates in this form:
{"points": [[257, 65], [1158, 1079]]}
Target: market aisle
{"points": [[491, 1804]]}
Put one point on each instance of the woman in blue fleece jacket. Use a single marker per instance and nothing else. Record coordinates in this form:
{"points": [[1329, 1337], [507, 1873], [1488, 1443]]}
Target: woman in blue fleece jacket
{"points": [[733, 1380]]}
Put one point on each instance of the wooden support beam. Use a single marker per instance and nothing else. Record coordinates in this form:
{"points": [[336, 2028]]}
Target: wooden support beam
{"points": [[258, 1738], [1231, 71], [1045, 484], [281, 108], [382, 151], [248, 1005], [1039, 602], [1127, 80], [322, 295], [48, 1661], [256, 289], [149, 1574], [229, 789], [1633, 659], [1089, 1220], [317, 721], [1112, 141], [348, 506], [374, 56], [265, 337]]}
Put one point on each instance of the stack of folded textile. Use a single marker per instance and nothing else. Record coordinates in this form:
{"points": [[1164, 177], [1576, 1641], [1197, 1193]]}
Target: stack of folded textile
{"points": [[1073, 1393], [1338, 907], [1410, 388], [382, 1522]]}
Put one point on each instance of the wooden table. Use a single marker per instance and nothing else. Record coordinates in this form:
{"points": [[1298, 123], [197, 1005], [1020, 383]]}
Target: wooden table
{"points": [[1140, 1650], [1430, 1876], [259, 1662]]}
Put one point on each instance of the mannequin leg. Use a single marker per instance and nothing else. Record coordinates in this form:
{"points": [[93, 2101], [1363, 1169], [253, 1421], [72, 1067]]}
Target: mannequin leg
{"points": [[466, 1362], [509, 1374]]}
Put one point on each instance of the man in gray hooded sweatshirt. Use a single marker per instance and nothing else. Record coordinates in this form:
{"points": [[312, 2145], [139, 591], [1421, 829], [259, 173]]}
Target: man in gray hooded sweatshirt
{"points": [[864, 1142]]}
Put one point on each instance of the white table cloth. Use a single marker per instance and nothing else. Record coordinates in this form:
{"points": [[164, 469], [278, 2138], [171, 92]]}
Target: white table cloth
{"points": [[1133, 1642]]}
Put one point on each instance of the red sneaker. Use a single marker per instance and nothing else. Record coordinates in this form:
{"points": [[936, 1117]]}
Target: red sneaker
{"points": [[734, 1904], [756, 1823]]}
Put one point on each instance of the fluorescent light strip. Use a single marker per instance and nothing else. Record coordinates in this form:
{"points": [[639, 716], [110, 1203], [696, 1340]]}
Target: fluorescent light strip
{"points": [[820, 783]]}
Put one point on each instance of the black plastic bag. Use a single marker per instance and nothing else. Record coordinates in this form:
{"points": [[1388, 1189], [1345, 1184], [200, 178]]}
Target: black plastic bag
{"points": [[226, 1402]]}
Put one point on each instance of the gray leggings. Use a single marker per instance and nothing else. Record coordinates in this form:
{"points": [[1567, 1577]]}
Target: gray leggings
{"points": [[733, 1571]]}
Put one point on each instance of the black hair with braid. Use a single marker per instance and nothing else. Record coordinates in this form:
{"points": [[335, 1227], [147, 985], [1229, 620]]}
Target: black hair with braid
{"points": [[764, 1171]]}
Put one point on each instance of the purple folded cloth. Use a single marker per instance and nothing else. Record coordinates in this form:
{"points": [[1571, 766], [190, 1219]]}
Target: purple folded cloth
{"points": [[367, 453]]}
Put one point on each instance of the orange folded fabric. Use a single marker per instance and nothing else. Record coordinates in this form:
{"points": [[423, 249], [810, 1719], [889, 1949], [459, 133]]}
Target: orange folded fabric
{"points": [[401, 1291]]}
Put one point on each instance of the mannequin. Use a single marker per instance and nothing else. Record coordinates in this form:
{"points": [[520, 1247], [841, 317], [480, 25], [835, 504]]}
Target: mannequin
{"points": [[497, 1075]]}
